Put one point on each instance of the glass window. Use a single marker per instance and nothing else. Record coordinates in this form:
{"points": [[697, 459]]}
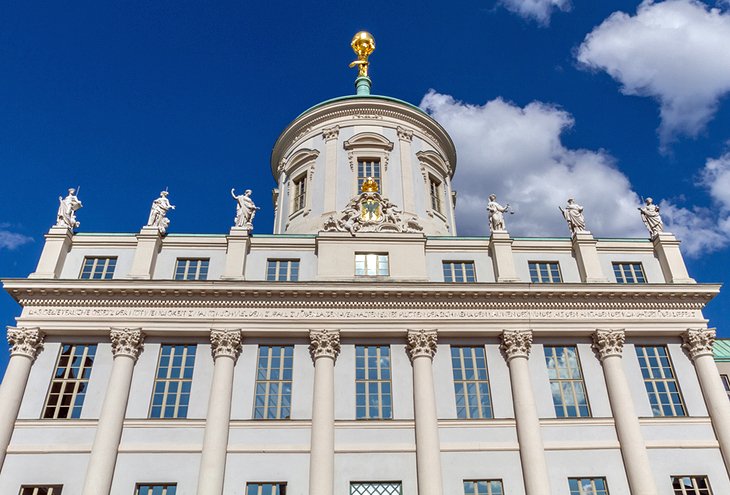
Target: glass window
{"points": [[371, 265], [171, 394], [282, 270], [273, 382], [368, 168], [191, 269], [459, 271], [660, 382], [155, 489], [265, 488], [691, 485], [435, 190], [566, 382], [726, 384], [300, 193], [483, 487], [98, 268], [471, 382], [41, 490], [588, 486], [372, 382], [629, 273], [69, 383], [381, 488], [545, 272]]}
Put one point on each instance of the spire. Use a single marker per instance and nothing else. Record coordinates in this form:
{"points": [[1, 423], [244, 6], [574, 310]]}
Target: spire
{"points": [[363, 44]]}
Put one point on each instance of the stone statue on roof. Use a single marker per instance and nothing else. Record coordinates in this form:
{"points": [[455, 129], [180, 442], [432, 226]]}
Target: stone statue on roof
{"points": [[66, 216], [158, 213], [573, 214], [496, 214], [245, 209], [651, 218]]}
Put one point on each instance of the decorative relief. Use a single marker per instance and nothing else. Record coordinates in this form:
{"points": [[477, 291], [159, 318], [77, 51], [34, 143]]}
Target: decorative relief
{"points": [[698, 341], [516, 343], [324, 343], [226, 343], [302, 133], [331, 133], [609, 343], [281, 167], [404, 134], [127, 342], [25, 341], [421, 343]]}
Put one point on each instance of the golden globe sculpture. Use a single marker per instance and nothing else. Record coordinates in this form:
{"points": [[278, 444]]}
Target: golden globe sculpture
{"points": [[363, 44]]}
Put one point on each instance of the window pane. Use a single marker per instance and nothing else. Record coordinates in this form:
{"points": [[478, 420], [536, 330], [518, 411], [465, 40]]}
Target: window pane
{"points": [[661, 386], [68, 387], [98, 268], [544, 272], [381, 488], [471, 384], [372, 382], [273, 382], [174, 379], [566, 381], [459, 271]]}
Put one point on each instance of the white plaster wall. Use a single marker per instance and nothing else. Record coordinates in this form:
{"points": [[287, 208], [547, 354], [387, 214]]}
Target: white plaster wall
{"points": [[244, 382], [132, 468], [345, 383], [568, 266], [140, 394], [589, 464], [75, 260], [257, 258], [666, 463], [541, 382], [98, 381], [402, 378], [651, 266], [595, 382], [689, 384], [293, 469], [636, 382], [495, 465], [380, 466], [44, 469], [202, 380], [482, 264], [443, 383], [478, 435], [302, 383], [499, 381], [39, 381], [167, 259]]}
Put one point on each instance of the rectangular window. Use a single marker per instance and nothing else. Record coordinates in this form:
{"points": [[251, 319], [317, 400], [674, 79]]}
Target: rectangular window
{"points": [[483, 487], [300, 193], [282, 270], [382, 488], [545, 272], [434, 187], [191, 269], [566, 382], [41, 490], [368, 168], [588, 486], [174, 378], [371, 265], [459, 271], [471, 382], [69, 383], [660, 382], [273, 382], [150, 489], [726, 384], [265, 488], [98, 268], [629, 273], [691, 485], [372, 382]]}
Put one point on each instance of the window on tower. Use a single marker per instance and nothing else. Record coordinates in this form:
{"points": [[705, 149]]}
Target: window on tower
{"points": [[368, 167], [437, 193], [300, 193]]}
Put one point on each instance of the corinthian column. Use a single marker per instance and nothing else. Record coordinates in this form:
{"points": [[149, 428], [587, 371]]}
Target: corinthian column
{"points": [[421, 348], [225, 347], [25, 343], [609, 345], [516, 345], [698, 343], [126, 345], [324, 348]]}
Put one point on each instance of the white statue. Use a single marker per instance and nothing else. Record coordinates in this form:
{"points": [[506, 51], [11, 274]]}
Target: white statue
{"points": [[496, 214], [158, 213], [66, 216], [573, 214], [651, 218], [245, 209]]}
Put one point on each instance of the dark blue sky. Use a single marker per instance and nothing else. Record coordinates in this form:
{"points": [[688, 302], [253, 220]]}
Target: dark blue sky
{"points": [[127, 98]]}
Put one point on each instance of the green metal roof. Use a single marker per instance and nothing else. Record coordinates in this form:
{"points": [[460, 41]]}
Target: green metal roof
{"points": [[722, 350]]}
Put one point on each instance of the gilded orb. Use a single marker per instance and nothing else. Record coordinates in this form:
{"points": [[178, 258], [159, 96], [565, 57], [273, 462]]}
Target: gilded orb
{"points": [[363, 44]]}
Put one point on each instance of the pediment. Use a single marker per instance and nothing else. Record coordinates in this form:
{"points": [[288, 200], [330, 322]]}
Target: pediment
{"points": [[368, 140]]}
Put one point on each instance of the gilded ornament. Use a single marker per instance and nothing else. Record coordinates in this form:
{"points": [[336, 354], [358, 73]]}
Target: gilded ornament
{"points": [[363, 44]]}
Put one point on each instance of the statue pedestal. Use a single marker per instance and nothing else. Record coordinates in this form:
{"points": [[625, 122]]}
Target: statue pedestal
{"points": [[586, 255], [238, 245], [58, 244], [500, 248], [149, 242], [666, 249]]}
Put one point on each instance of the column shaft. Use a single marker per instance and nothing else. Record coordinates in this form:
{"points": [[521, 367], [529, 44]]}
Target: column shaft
{"points": [[103, 459], [322, 454], [428, 446], [11, 395]]}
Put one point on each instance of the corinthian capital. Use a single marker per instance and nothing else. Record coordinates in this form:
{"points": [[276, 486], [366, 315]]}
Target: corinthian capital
{"points": [[225, 343], [331, 133], [516, 343], [324, 343], [699, 341], [608, 343], [404, 134], [127, 342], [421, 343], [25, 341]]}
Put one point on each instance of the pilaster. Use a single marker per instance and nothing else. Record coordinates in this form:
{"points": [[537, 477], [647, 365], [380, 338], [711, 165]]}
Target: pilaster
{"points": [[666, 249], [500, 248], [331, 136], [238, 245], [58, 244], [405, 138], [586, 255], [149, 242]]}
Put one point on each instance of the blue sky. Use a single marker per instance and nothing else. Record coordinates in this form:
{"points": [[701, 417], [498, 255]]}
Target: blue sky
{"points": [[546, 99]]}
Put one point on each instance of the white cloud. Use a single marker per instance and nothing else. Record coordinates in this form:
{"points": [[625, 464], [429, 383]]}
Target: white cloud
{"points": [[517, 154], [12, 240], [674, 51], [538, 10]]}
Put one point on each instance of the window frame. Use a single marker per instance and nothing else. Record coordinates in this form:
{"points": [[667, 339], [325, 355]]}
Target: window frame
{"points": [[725, 378], [377, 264], [166, 486], [695, 489], [622, 265], [436, 195], [366, 159], [278, 262], [259, 484], [452, 271], [549, 264], [181, 380], [379, 381], [489, 486], [199, 268], [106, 273], [55, 489], [646, 381], [476, 381], [368, 146], [594, 489], [572, 381], [367, 484], [268, 381], [72, 406]]}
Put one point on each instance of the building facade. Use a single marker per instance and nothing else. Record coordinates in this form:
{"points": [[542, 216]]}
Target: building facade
{"points": [[363, 347]]}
